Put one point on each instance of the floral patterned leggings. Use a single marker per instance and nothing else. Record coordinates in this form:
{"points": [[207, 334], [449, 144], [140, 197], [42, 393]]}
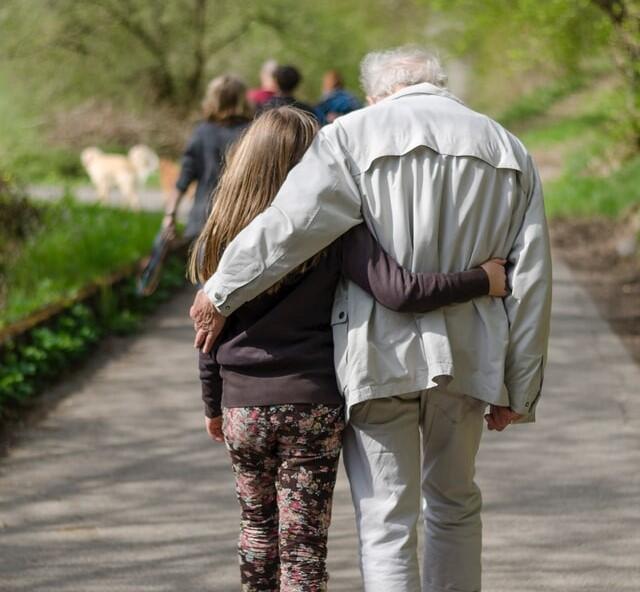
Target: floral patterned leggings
{"points": [[285, 459]]}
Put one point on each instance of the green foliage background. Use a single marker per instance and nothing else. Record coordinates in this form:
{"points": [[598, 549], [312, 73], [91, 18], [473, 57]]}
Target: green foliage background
{"points": [[73, 245], [515, 46], [31, 362], [143, 50], [153, 59]]}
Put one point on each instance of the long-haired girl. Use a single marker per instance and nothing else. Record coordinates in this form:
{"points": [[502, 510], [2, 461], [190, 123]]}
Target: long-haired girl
{"points": [[269, 385]]}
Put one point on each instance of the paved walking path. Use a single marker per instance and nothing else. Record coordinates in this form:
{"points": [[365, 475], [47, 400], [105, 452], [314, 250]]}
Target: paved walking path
{"points": [[151, 198], [119, 489]]}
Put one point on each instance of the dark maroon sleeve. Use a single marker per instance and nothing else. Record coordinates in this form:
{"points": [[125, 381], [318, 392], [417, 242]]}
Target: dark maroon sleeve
{"points": [[366, 263], [211, 384]]}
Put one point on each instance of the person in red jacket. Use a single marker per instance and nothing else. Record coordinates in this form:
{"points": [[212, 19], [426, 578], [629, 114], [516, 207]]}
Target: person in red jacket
{"points": [[268, 85]]}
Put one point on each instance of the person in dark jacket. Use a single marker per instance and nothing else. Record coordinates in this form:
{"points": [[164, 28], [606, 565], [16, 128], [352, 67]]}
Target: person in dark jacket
{"points": [[287, 78], [226, 114], [271, 372], [336, 101]]}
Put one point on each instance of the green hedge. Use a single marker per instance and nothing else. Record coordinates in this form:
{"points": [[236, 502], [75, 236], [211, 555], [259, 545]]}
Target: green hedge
{"points": [[31, 362]]}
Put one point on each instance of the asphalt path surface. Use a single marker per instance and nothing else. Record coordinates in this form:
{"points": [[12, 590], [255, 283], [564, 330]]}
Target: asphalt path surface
{"points": [[119, 489]]}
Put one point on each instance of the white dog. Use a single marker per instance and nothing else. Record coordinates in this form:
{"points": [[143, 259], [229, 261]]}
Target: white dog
{"points": [[127, 173]]}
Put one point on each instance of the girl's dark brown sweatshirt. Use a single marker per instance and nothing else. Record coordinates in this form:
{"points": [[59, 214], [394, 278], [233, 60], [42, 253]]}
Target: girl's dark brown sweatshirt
{"points": [[278, 348]]}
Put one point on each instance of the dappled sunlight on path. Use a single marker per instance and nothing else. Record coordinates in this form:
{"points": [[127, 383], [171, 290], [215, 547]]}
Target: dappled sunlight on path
{"points": [[119, 489], [562, 495]]}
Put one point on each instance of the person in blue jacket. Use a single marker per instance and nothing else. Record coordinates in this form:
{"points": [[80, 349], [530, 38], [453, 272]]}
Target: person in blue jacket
{"points": [[336, 101]]}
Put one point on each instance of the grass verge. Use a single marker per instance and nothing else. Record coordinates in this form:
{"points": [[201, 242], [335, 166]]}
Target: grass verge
{"points": [[538, 102], [584, 134], [589, 195], [74, 245], [54, 263], [35, 359]]}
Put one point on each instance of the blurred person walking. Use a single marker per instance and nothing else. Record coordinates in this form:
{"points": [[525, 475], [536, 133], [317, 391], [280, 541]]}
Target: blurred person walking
{"points": [[287, 79], [336, 101], [226, 113], [268, 85]]}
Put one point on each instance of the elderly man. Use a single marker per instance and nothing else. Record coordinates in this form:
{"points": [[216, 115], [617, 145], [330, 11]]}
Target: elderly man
{"points": [[443, 188]]}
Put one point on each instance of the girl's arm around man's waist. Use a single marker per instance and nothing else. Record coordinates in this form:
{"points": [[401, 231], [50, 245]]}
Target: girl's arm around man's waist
{"points": [[366, 263]]}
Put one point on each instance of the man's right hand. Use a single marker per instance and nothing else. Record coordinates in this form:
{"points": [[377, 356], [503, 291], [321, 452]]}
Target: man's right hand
{"points": [[500, 417]]}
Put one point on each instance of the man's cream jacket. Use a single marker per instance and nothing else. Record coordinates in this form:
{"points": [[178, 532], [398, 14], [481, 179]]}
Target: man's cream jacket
{"points": [[444, 189]]}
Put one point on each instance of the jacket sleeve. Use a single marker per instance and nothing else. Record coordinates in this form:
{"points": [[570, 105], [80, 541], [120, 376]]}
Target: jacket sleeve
{"points": [[191, 162], [365, 263], [211, 384], [318, 202], [528, 307]]}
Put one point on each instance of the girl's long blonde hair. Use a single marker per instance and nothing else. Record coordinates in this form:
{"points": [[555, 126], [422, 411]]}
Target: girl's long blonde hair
{"points": [[256, 168]]}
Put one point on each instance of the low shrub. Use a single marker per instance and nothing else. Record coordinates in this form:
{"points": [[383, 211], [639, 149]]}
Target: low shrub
{"points": [[18, 219], [25, 366], [53, 253], [34, 360]]}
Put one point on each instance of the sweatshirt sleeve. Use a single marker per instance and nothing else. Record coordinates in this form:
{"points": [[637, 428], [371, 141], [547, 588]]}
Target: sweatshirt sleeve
{"points": [[211, 384], [365, 263], [190, 166]]}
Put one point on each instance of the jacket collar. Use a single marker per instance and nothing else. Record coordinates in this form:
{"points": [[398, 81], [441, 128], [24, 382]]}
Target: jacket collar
{"points": [[423, 88]]}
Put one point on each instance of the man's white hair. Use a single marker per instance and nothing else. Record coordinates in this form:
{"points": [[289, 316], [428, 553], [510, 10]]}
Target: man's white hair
{"points": [[384, 72]]}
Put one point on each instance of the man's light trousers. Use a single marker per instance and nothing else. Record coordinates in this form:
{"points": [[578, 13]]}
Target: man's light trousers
{"points": [[403, 451]]}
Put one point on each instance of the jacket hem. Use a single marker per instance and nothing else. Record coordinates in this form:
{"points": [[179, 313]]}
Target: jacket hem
{"points": [[422, 380]]}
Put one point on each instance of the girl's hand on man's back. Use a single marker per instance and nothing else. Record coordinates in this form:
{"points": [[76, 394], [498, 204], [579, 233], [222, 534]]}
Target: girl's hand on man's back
{"points": [[494, 268]]}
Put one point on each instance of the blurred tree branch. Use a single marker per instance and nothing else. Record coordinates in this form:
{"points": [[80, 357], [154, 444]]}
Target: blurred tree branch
{"points": [[123, 12], [199, 16], [145, 53], [614, 9], [625, 18], [554, 38]]}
